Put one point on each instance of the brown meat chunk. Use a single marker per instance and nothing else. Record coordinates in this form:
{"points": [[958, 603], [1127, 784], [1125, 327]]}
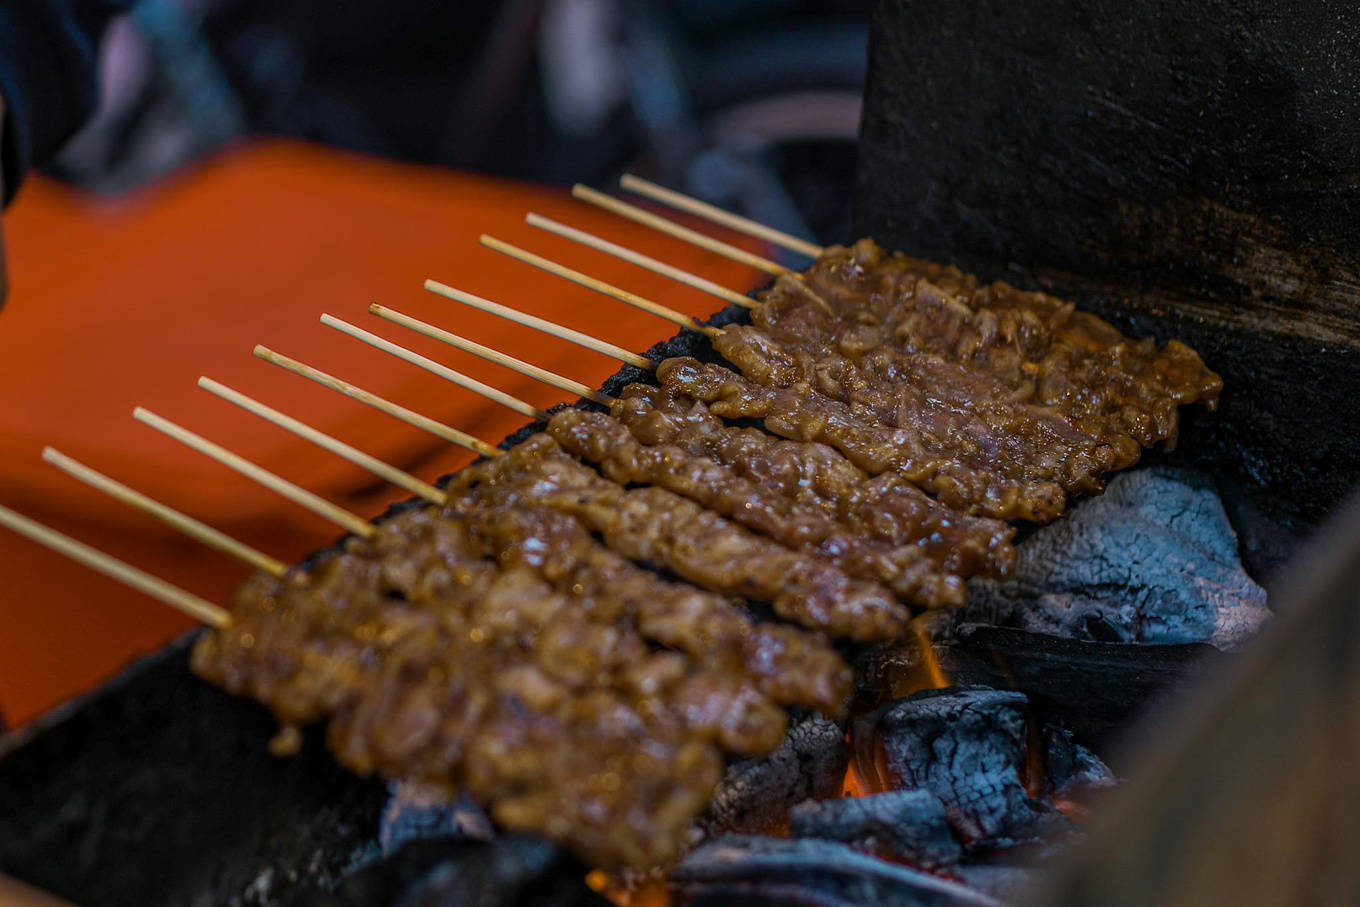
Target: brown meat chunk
{"points": [[885, 507], [788, 665], [605, 441], [437, 665], [804, 414], [654, 526]]}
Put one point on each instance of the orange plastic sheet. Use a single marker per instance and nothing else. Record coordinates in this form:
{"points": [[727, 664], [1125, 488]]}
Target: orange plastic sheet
{"points": [[122, 303]]}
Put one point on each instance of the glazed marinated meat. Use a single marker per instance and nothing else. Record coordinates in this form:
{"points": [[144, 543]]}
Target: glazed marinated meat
{"points": [[803, 414], [884, 507], [1040, 350], [654, 526], [601, 439], [437, 666], [788, 665]]}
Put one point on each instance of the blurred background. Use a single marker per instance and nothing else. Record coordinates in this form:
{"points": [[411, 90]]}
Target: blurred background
{"points": [[253, 163], [753, 104]]}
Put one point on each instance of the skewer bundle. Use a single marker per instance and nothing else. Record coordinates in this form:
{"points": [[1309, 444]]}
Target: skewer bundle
{"points": [[566, 629]]}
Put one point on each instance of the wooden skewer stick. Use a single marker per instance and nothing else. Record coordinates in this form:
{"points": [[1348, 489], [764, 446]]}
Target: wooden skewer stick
{"points": [[321, 439], [540, 324], [191, 527], [410, 417], [599, 286], [491, 355], [670, 228], [718, 216], [401, 352], [637, 258], [172, 595], [300, 496]]}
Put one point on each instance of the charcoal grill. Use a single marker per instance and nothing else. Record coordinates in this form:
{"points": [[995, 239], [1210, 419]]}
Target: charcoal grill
{"points": [[1182, 169]]}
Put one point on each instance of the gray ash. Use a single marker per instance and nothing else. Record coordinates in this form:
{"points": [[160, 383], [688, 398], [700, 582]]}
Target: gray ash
{"points": [[1152, 560]]}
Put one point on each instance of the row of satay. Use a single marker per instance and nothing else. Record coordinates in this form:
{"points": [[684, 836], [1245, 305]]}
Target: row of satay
{"points": [[571, 637]]}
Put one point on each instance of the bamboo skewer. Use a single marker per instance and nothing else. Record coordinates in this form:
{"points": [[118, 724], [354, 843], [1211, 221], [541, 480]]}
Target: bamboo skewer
{"points": [[718, 216], [491, 355], [637, 258], [430, 365], [448, 433], [191, 527], [198, 608], [599, 286], [321, 439], [670, 228], [300, 496], [540, 324], [443, 371]]}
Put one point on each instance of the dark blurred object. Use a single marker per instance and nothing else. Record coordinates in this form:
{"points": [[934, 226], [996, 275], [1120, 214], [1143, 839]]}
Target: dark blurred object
{"points": [[157, 790], [1252, 795], [751, 104], [1185, 170], [449, 872]]}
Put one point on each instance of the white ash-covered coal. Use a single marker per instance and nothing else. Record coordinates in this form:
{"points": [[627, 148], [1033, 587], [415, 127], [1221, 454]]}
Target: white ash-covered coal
{"points": [[999, 779], [1153, 560], [757, 796], [966, 796]]}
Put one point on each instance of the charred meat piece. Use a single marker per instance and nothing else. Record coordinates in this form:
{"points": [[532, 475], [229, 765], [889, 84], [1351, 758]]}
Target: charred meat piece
{"points": [[786, 664], [1042, 349], [654, 526], [606, 442], [804, 414], [437, 666], [954, 412], [884, 507]]}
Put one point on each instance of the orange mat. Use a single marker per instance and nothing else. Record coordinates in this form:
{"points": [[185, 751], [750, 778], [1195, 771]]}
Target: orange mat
{"points": [[125, 303]]}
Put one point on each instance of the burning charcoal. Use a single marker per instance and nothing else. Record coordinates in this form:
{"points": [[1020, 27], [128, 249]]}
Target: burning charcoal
{"points": [[414, 814], [1152, 560], [908, 826], [756, 871], [1071, 768], [512, 871], [969, 747], [756, 795]]}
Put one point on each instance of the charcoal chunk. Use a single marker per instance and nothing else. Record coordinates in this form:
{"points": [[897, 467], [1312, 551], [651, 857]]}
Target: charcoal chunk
{"points": [[1071, 769], [908, 826], [413, 814], [970, 747], [756, 795], [1152, 560], [757, 871], [512, 871]]}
